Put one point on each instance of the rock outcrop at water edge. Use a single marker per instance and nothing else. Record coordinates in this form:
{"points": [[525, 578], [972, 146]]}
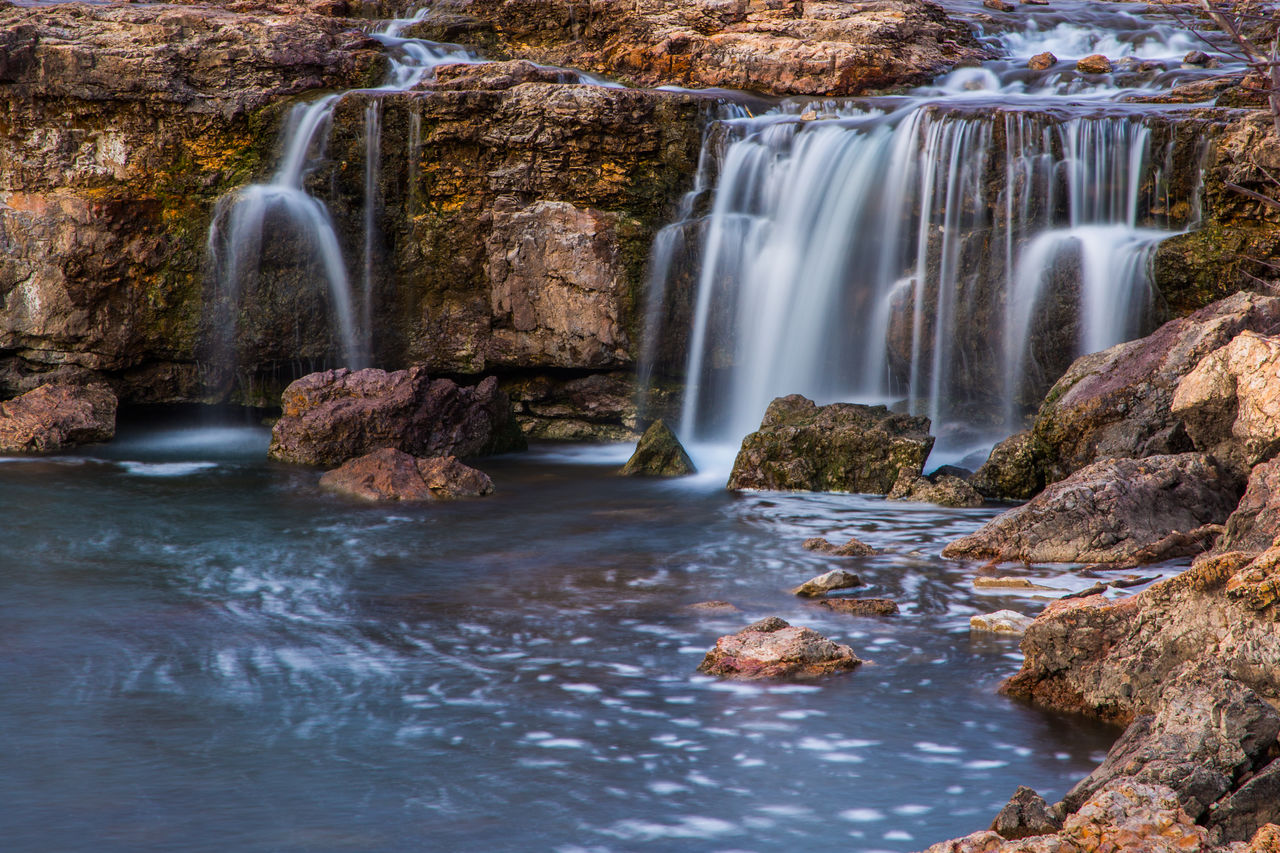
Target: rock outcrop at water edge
{"points": [[336, 415], [1256, 520], [772, 648], [659, 454], [392, 475], [1127, 511], [941, 489], [842, 447], [55, 416], [779, 47]]}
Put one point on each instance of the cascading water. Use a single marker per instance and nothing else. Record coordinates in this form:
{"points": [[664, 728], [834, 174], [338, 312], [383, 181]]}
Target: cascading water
{"points": [[949, 251]]}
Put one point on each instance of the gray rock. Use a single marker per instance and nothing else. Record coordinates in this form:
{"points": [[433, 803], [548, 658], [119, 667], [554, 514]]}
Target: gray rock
{"points": [[659, 454], [852, 548], [822, 584], [1026, 814]]}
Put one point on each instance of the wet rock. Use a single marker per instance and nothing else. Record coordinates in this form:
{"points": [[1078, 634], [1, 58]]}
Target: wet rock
{"points": [[772, 648], [659, 454], [1094, 64], [842, 447], [1042, 61], [55, 416], [824, 583], [1007, 583], [1000, 622], [1114, 511], [1025, 814], [336, 415], [853, 548], [861, 606], [943, 490], [1116, 403], [1256, 520], [392, 475], [715, 606], [1230, 402], [999, 5], [1199, 58], [784, 48]]}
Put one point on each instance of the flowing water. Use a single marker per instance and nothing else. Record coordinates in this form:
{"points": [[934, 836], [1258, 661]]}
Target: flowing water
{"points": [[203, 651]]}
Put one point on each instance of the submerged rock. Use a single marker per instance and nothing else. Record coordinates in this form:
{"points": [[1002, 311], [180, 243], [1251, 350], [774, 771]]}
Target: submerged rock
{"points": [[940, 489], [772, 648], [1000, 622], [855, 547], [1007, 583], [659, 454], [861, 606], [55, 416], [392, 475], [337, 415], [715, 606], [842, 447], [822, 584], [1125, 511]]}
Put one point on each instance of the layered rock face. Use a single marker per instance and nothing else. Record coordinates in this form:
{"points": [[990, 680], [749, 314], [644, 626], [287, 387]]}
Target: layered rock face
{"points": [[782, 47]]}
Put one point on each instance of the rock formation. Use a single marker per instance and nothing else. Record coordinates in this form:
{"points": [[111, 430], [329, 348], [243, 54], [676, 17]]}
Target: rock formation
{"points": [[854, 547], [772, 648], [659, 454], [860, 606], [828, 582], [842, 447], [1256, 520], [55, 416], [392, 475], [940, 489]]}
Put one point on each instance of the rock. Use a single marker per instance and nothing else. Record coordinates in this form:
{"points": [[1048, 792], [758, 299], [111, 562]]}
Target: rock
{"points": [[853, 548], [1199, 58], [55, 416], [822, 584], [659, 454], [1042, 61], [841, 447], [1116, 403], [1249, 810], [1025, 814], [1256, 520], [999, 5], [392, 475], [336, 415], [1000, 622], [943, 490], [1114, 511], [782, 47], [1256, 584], [1007, 583], [861, 606], [1230, 402], [1094, 64], [772, 648], [716, 606]]}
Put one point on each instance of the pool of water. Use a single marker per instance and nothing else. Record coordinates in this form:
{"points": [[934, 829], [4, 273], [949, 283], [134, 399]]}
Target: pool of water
{"points": [[203, 651]]}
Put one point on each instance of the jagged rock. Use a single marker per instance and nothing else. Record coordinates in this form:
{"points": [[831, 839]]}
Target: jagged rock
{"points": [[787, 48], [1113, 511], [1256, 520], [1116, 403], [336, 415], [1094, 64], [824, 583], [659, 454], [1230, 402], [1025, 814], [392, 475], [1000, 622], [1256, 583], [861, 606], [772, 648], [842, 447], [55, 416], [1042, 61], [1248, 811], [853, 548], [943, 490]]}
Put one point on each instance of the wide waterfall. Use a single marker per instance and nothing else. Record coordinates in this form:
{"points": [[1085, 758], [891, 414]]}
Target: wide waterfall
{"points": [[948, 252]]}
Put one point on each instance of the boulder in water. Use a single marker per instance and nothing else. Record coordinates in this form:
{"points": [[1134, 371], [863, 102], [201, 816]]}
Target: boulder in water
{"points": [[55, 416], [388, 474], [855, 547], [943, 490], [1000, 622], [1042, 61], [772, 648], [1000, 5], [659, 454], [825, 583], [842, 447], [861, 606], [1094, 64], [336, 415], [1125, 511]]}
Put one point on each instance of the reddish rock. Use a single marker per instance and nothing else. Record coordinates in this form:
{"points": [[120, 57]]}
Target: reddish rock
{"points": [[54, 416], [337, 415], [1094, 64], [861, 606], [855, 547], [771, 648], [1125, 511], [392, 475], [999, 5], [1042, 61], [1256, 520]]}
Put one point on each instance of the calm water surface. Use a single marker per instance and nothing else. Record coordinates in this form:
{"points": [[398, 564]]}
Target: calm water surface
{"points": [[202, 651]]}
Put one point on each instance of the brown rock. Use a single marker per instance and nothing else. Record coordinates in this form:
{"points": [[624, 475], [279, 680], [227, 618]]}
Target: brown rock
{"points": [[659, 454], [1256, 584], [1007, 583], [392, 475], [1094, 64], [771, 648], [822, 584], [337, 415], [1230, 402], [1113, 511], [999, 5], [1025, 814], [861, 606], [1256, 520], [1042, 61], [943, 490], [1000, 622], [853, 548], [715, 606], [55, 416]]}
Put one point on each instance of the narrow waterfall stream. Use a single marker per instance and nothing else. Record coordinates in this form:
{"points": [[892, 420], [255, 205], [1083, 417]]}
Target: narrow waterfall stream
{"points": [[950, 251]]}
